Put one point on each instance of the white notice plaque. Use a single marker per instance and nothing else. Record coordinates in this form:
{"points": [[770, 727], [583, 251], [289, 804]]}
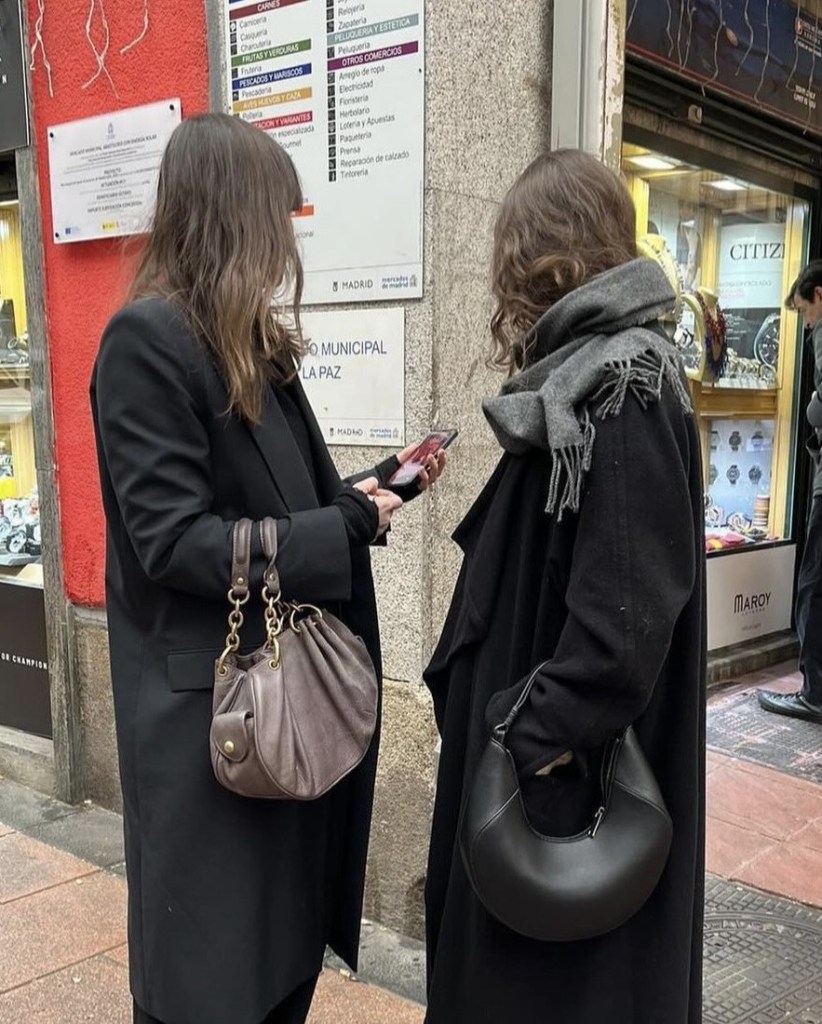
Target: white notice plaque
{"points": [[340, 85], [104, 170], [354, 375]]}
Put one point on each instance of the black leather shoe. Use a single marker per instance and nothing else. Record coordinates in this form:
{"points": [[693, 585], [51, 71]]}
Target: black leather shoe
{"points": [[792, 704]]}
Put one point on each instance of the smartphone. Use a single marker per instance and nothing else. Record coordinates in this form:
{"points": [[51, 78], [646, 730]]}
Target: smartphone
{"points": [[436, 441]]}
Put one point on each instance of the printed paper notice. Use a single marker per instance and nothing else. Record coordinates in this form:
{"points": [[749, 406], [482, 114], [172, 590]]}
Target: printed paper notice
{"points": [[340, 85], [354, 375], [104, 171]]}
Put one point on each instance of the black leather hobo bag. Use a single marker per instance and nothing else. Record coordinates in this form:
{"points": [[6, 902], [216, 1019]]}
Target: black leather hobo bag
{"points": [[562, 889]]}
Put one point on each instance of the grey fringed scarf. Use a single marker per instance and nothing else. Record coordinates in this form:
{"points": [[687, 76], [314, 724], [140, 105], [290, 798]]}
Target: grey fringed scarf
{"points": [[588, 351]]}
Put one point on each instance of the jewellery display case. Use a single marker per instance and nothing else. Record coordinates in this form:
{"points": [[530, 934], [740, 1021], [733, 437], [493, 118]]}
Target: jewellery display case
{"points": [[733, 238], [20, 551], [25, 678], [736, 248]]}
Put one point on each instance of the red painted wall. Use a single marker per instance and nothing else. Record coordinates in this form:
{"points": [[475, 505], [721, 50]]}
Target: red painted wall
{"points": [[85, 281]]}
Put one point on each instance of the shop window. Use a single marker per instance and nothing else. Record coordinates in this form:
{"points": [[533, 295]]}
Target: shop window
{"points": [[20, 551], [736, 248]]}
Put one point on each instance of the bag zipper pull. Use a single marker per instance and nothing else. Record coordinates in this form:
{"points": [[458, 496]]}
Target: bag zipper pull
{"points": [[597, 822]]}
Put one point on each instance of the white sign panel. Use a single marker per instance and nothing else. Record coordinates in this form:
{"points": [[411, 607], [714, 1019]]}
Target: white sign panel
{"points": [[354, 375], [750, 594], [751, 260], [104, 171], [340, 85]]}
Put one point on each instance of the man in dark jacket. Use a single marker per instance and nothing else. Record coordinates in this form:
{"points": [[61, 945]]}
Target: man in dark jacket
{"points": [[806, 298]]}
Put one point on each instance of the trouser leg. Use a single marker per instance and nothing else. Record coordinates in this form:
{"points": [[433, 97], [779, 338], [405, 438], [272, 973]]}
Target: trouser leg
{"points": [[809, 608]]}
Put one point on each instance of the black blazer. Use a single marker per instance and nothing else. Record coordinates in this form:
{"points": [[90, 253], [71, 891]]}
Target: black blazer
{"points": [[231, 900]]}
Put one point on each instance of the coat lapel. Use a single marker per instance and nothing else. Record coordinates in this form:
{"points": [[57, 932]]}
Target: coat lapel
{"points": [[278, 448], [328, 479], [281, 454]]}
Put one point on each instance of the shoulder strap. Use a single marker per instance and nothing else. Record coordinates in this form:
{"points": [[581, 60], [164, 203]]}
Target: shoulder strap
{"points": [[501, 731], [241, 558], [268, 538]]}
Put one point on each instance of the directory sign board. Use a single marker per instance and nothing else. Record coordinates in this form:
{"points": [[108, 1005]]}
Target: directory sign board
{"points": [[340, 85]]}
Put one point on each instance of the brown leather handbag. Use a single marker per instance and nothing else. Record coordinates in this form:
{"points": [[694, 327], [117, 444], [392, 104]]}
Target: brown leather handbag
{"points": [[297, 715]]}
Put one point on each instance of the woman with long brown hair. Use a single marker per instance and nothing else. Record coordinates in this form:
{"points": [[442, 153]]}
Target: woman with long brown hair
{"points": [[582, 576], [201, 421]]}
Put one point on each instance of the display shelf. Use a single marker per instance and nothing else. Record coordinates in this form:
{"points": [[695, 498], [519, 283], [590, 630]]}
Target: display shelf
{"points": [[738, 403], [16, 560], [15, 373]]}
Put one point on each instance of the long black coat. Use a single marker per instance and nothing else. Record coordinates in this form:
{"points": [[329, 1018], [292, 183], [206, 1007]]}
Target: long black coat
{"points": [[231, 900], [614, 598]]}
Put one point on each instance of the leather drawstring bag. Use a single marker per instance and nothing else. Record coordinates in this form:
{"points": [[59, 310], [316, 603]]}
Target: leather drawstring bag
{"points": [[297, 715], [568, 888]]}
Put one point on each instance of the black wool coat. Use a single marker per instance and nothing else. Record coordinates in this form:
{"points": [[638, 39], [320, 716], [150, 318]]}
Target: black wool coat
{"points": [[231, 900], [613, 599]]}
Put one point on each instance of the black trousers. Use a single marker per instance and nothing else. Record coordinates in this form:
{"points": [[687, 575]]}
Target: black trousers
{"points": [[292, 1010], [809, 608]]}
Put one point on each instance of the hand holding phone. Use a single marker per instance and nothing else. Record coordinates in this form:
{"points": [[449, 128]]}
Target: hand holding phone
{"points": [[430, 446]]}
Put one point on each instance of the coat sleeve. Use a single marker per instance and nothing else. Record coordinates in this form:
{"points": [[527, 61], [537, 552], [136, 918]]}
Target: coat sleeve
{"points": [[150, 417], [633, 569], [383, 471], [816, 343]]}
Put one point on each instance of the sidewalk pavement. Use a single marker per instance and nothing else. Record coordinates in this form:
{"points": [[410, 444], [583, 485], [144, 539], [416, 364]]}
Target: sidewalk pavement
{"points": [[63, 954], [764, 826], [62, 894]]}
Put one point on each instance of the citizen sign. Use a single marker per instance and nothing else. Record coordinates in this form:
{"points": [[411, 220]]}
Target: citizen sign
{"points": [[747, 604], [757, 251]]}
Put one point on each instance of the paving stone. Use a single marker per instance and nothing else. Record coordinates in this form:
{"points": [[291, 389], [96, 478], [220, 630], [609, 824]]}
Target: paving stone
{"points": [[94, 991], [740, 728], [94, 834], [389, 960], [394, 961], [60, 926], [5, 829], [748, 794], [763, 958], [789, 869], [714, 761], [341, 1000], [810, 836], [728, 848], [29, 867], [22, 808], [120, 954]]}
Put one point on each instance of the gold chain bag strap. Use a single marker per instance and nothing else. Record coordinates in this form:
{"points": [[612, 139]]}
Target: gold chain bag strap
{"points": [[297, 715]]}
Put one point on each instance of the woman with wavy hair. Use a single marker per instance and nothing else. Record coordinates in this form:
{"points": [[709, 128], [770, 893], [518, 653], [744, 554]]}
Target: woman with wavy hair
{"points": [[583, 567], [200, 421]]}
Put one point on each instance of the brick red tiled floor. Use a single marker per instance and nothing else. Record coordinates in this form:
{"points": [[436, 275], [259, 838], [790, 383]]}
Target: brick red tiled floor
{"points": [[764, 827], [63, 958]]}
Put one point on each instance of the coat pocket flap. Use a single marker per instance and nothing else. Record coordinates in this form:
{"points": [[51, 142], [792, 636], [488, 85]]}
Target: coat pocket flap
{"points": [[191, 670]]}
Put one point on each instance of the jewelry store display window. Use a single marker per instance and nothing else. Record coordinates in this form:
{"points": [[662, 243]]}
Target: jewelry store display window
{"points": [[733, 249], [25, 695], [20, 551]]}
